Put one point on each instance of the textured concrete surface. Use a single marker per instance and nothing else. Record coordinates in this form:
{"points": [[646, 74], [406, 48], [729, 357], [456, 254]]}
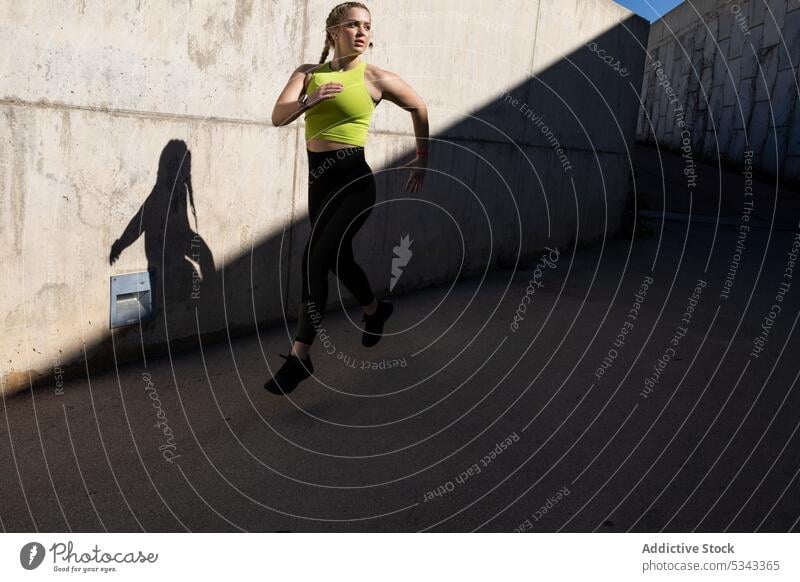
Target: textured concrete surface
{"points": [[92, 96], [721, 196], [731, 68], [193, 442], [579, 390]]}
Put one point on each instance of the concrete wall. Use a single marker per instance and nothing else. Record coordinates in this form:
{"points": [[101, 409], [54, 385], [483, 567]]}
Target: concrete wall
{"points": [[734, 68], [92, 94]]}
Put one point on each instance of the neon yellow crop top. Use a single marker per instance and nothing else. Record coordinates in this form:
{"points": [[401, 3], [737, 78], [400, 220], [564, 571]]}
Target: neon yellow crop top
{"points": [[346, 117]]}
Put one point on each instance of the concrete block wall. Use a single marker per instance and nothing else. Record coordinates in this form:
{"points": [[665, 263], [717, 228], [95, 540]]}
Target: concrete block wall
{"points": [[94, 96], [734, 66]]}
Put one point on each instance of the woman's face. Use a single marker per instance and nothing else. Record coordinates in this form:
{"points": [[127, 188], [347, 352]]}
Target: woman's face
{"points": [[354, 32]]}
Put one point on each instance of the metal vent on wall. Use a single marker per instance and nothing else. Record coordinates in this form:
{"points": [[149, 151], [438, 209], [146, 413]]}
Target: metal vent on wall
{"points": [[131, 299]]}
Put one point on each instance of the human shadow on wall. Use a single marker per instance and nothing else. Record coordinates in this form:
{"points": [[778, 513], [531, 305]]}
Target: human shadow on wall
{"points": [[183, 277], [491, 151], [491, 160]]}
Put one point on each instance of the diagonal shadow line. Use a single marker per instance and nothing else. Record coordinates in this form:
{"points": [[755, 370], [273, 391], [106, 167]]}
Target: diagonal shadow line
{"points": [[578, 102]]}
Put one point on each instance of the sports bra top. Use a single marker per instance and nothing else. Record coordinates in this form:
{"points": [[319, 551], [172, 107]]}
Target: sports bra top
{"points": [[347, 116]]}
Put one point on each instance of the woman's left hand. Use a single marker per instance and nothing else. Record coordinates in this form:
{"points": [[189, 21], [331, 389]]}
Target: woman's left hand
{"points": [[418, 167]]}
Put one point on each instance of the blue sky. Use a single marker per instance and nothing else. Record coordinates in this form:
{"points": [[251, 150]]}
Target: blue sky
{"points": [[650, 9]]}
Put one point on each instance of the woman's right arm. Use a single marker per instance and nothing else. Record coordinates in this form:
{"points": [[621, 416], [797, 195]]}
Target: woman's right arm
{"points": [[288, 108], [132, 232]]}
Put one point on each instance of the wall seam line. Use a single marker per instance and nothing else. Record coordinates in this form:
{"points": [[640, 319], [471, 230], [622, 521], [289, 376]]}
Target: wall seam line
{"points": [[295, 181], [294, 128], [535, 36]]}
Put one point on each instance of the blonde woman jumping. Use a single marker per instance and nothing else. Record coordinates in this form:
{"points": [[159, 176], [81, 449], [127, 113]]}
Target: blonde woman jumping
{"points": [[338, 99]]}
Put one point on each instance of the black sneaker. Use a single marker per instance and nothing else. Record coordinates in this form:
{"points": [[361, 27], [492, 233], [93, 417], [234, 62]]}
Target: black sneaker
{"points": [[292, 372], [373, 324]]}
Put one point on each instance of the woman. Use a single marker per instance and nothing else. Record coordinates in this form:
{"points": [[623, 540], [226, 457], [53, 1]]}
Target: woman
{"points": [[338, 99]]}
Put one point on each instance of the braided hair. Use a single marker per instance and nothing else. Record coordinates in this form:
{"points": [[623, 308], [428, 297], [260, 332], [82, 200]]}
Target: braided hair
{"points": [[334, 18], [174, 170]]}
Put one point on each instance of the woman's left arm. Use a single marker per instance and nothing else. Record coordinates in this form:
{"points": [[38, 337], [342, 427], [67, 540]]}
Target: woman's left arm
{"points": [[394, 89]]}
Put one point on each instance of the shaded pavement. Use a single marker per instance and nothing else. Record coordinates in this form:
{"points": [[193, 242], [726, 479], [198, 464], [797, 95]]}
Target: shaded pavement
{"points": [[470, 422]]}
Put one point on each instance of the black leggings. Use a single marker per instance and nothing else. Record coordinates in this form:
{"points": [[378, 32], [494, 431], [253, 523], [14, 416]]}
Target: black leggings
{"points": [[341, 194]]}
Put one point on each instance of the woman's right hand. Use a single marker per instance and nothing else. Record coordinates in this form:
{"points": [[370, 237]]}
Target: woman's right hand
{"points": [[116, 250], [326, 91]]}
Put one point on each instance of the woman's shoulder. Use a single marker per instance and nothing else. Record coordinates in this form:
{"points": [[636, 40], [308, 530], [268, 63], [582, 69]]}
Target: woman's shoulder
{"points": [[374, 70], [376, 74]]}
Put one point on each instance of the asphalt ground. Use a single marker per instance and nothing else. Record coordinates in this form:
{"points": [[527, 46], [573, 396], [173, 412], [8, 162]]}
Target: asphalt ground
{"points": [[462, 418]]}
